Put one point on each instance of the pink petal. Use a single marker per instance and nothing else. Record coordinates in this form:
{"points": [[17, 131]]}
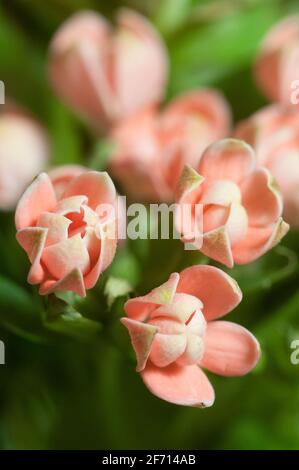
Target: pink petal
{"points": [[216, 245], [90, 217], [227, 159], [139, 51], [271, 131], [189, 187], [71, 204], [215, 217], [39, 197], [230, 349], [136, 138], [93, 244], [73, 281], [216, 289], [197, 324], [258, 241], [221, 192], [57, 226], [136, 157], [289, 72], [172, 166], [187, 386], [109, 241], [24, 149], [267, 73], [167, 325], [193, 352], [80, 52], [106, 237], [237, 223], [62, 175], [181, 308], [167, 348], [269, 67], [141, 181], [62, 258], [284, 166], [198, 118], [248, 130], [140, 307], [32, 240], [97, 186], [223, 227], [206, 104], [261, 199], [274, 133], [142, 336], [188, 216], [195, 331]]}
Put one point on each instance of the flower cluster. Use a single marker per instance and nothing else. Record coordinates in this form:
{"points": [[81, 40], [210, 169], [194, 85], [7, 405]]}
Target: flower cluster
{"points": [[115, 78], [151, 148]]}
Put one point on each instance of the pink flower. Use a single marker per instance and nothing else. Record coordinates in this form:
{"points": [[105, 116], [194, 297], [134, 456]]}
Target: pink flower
{"points": [[69, 239], [274, 134], [174, 335], [240, 217], [152, 147], [24, 152], [277, 62], [107, 74]]}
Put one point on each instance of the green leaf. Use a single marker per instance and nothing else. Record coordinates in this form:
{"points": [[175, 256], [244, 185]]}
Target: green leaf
{"points": [[202, 56], [20, 312], [171, 14], [65, 135], [22, 66]]}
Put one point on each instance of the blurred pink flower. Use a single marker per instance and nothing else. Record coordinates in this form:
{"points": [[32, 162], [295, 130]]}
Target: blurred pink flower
{"points": [[69, 240], [274, 134], [277, 64], [24, 153], [151, 148], [241, 207], [108, 74], [174, 335]]}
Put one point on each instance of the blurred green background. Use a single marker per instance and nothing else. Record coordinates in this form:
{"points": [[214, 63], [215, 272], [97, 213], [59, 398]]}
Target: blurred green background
{"points": [[69, 380]]}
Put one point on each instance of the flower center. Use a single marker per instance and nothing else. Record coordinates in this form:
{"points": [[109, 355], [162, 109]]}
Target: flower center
{"points": [[178, 340], [78, 225], [223, 207]]}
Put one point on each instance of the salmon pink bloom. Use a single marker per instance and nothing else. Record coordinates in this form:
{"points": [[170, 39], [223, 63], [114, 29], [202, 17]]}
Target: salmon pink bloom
{"points": [[24, 153], [274, 134], [277, 63], [70, 238], [240, 217], [150, 148], [174, 334], [107, 74]]}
